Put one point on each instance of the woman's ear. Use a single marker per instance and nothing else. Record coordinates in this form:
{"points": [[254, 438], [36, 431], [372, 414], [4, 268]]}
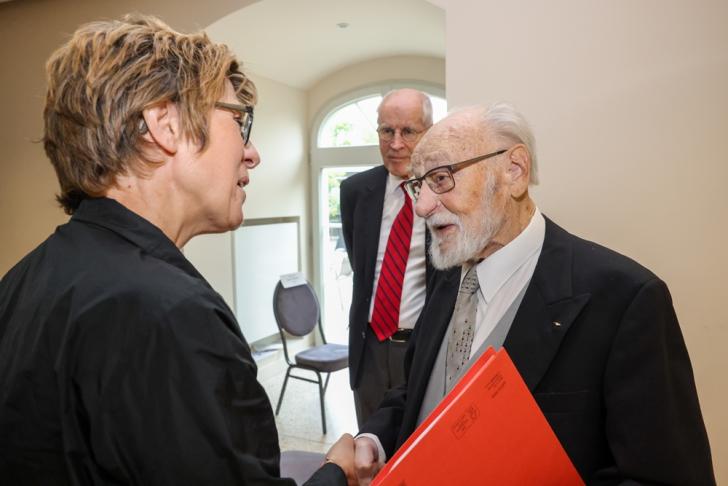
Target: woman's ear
{"points": [[162, 126]]}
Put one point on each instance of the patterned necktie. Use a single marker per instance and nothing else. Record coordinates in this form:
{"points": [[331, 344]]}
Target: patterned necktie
{"points": [[385, 316], [463, 325]]}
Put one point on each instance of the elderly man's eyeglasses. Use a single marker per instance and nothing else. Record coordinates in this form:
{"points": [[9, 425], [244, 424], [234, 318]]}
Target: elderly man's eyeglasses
{"points": [[408, 134], [440, 179], [246, 118]]}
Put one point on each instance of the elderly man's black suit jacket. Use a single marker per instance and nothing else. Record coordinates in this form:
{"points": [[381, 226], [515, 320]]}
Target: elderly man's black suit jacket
{"points": [[613, 377]]}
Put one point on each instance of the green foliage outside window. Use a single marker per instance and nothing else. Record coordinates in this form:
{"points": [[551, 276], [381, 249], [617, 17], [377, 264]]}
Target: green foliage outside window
{"points": [[334, 180]]}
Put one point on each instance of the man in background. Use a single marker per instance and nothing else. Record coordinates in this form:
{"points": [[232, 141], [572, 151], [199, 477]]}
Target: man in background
{"points": [[593, 334], [385, 242]]}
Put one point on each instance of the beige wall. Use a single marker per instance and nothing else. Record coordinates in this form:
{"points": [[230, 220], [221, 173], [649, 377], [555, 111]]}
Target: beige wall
{"points": [[629, 102]]}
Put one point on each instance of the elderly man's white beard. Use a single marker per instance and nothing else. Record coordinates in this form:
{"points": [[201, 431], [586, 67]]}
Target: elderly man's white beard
{"points": [[467, 242]]}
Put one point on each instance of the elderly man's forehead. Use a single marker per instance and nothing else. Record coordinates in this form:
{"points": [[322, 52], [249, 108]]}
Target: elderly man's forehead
{"points": [[441, 148], [450, 140], [422, 162]]}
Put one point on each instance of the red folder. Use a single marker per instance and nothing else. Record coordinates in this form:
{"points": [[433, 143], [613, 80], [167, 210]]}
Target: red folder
{"points": [[487, 430]]}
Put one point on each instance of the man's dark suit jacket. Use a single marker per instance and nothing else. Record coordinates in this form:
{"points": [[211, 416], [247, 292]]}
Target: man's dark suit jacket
{"points": [[598, 343], [119, 364], [362, 201]]}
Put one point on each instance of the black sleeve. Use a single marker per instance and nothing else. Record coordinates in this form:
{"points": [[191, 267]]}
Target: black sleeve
{"points": [[386, 421], [654, 425], [167, 398], [328, 475]]}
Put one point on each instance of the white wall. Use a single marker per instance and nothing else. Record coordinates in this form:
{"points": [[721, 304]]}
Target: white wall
{"points": [[278, 186], [629, 103]]}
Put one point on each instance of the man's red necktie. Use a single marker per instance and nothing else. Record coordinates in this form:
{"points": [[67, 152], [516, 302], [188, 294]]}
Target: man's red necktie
{"points": [[385, 316]]}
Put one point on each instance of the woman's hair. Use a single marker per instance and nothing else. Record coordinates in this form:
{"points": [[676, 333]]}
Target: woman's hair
{"points": [[103, 78]]}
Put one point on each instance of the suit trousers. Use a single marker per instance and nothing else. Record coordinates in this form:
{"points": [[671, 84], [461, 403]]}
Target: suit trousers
{"points": [[382, 369]]}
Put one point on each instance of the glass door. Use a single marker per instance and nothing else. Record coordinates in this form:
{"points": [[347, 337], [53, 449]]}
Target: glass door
{"points": [[336, 270]]}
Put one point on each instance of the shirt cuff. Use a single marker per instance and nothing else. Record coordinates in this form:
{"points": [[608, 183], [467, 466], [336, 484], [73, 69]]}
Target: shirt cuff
{"points": [[382, 458]]}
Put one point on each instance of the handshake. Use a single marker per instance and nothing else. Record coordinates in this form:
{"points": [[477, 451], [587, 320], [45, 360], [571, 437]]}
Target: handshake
{"points": [[359, 458]]}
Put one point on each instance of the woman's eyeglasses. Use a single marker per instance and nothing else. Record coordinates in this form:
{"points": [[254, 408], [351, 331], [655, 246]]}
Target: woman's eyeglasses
{"points": [[246, 118]]}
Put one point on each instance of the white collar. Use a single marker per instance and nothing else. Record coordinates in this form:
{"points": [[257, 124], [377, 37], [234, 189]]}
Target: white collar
{"points": [[393, 183]]}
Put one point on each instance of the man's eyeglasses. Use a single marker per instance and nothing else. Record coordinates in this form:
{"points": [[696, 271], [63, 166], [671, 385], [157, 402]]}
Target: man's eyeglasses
{"points": [[440, 179], [246, 118], [408, 134]]}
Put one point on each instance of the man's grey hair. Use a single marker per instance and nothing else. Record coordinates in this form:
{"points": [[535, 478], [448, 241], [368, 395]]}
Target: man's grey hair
{"points": [[504, 121], [426, 105]]}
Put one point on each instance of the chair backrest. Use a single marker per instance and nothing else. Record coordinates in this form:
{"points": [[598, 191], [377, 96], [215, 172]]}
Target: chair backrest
{"points": [[296, 309]]}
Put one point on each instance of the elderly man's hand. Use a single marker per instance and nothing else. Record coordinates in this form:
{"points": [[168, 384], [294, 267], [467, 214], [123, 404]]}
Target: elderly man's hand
{"points": [[342, 454], [366, 460]]}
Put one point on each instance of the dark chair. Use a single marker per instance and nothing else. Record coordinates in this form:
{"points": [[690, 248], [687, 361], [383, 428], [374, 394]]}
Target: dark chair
{"points": [[297, 313]]}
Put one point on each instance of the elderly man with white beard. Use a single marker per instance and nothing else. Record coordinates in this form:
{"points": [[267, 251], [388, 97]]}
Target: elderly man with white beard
{"points": [[593, 334]]}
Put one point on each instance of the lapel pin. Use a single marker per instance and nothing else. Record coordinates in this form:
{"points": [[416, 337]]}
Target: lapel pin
{"points": [[557, 324]]}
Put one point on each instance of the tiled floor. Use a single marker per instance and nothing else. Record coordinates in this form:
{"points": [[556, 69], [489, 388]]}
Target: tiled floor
{"points": [[299, 421]]}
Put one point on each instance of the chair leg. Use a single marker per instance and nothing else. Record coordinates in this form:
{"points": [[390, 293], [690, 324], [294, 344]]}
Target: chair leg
{"points": [[326, 385], [321, 398], [283, 390]]}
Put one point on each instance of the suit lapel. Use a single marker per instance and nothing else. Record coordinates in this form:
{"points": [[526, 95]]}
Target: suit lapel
{"points": [[547, 311], [435, 325]]}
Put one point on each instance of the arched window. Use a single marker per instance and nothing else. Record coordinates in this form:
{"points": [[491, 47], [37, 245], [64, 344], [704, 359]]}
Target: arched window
{"points": [[355, 123], [344, 141]]}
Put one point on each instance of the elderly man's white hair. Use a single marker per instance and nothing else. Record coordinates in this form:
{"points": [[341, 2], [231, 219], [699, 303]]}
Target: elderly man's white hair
{"points": [[503, 121]]}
